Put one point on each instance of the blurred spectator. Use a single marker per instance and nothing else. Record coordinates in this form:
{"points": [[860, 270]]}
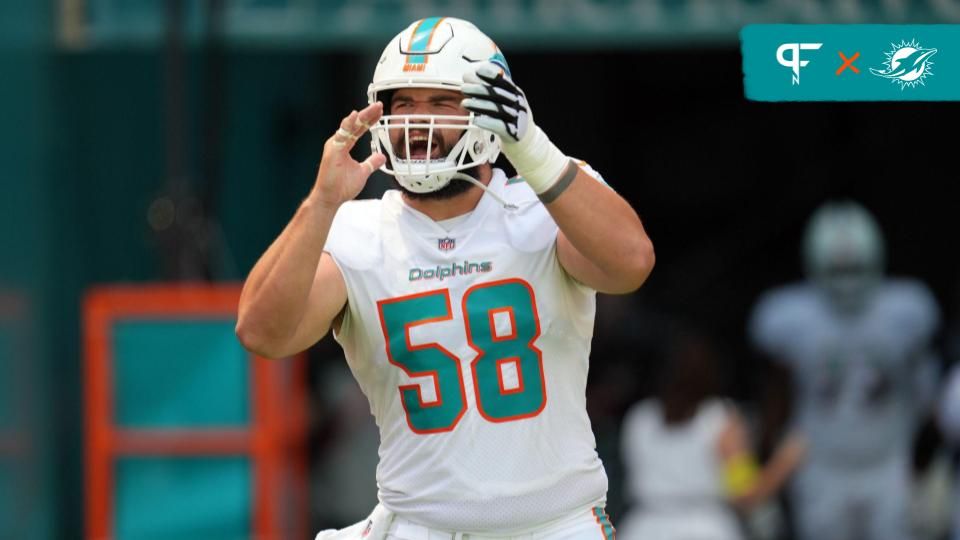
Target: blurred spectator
{"points": [[853, 354], [689, 458]]}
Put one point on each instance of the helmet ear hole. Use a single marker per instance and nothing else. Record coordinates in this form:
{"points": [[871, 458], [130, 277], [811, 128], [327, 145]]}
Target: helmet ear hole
{"points": [[477, 147], [483, 147]]}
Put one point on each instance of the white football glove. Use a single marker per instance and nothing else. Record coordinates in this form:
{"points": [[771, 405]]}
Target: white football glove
{"points": [[501, 107]]}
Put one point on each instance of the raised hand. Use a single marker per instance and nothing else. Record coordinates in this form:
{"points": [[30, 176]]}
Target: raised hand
{"points": [[340, 177]]}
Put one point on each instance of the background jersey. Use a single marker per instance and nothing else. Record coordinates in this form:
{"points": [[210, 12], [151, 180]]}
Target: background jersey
{"points": [[675, 475], [472, 347], [856, 378], [674, 463]]}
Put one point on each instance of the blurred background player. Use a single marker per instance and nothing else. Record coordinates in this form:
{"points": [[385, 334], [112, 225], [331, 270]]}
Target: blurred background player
{"points": [[857, 350], [948, 419], [688, 455], [464, 301]]}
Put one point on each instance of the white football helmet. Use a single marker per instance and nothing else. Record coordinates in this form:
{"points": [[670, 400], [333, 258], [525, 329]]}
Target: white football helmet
{"points": [[844, 253], [432, 53]]}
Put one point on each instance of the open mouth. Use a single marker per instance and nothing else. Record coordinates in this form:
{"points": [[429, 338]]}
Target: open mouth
{"points": [[419, 150]]}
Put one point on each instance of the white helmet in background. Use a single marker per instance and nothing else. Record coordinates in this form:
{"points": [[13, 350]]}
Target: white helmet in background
{"points": [[432, 53], [844, 253]]}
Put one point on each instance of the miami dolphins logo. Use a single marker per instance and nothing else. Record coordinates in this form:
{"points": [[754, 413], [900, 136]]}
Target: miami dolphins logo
{"points": [[907, 64]]}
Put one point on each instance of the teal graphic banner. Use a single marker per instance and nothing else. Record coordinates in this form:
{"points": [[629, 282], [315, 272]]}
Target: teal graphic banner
{"points": [[856, 62]]}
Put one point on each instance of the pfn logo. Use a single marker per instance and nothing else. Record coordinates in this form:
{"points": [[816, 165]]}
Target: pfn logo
{"points": [[794, 62]]}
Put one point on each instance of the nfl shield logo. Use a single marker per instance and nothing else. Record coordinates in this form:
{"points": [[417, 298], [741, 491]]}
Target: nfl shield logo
{"points": [[446, 244]]}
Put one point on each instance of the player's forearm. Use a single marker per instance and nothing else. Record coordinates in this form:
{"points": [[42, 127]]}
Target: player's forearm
{"points": [[594, 220], [759, 485], [275, 295], [603, 227], [785, 460]]}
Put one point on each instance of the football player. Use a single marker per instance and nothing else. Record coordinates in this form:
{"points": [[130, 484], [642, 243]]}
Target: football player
{"points": [[464, 300]]}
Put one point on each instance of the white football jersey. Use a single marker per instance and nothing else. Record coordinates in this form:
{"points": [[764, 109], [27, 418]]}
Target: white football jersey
{"points": [[472, 347], [675, 476], [859, 379], [674, 464]]}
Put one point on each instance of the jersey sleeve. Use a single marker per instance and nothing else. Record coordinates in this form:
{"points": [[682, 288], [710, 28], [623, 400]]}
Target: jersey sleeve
{"points": [[772, 324], [353, 240], [917, 312], [590, 171]]}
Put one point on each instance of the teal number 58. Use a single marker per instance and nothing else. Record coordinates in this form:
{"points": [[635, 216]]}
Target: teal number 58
{"points": [[501, 325]]}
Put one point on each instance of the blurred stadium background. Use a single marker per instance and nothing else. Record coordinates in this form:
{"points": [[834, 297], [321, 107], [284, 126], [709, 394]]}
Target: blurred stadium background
{"points": [[150, 142]]}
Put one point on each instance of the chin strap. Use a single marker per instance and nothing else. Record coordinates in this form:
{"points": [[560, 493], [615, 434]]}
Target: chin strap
{"points": [[479, 184]]}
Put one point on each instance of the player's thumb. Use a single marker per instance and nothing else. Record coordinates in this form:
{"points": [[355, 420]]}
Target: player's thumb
{"points": [[374, 162]]}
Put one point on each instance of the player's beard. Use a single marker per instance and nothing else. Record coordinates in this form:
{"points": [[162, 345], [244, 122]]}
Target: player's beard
{"points": [[453, 188]]}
